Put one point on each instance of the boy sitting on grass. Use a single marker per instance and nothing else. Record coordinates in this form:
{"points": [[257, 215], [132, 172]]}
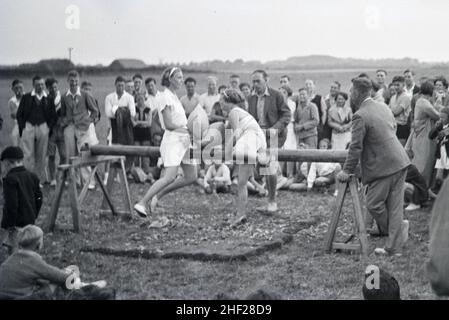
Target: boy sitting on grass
{"points": [[22, 196], [218, 178]]}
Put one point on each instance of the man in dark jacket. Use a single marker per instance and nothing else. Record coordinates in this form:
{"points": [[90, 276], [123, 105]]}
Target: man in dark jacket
{"points": [[21, 192], [383, 163], [35, 115], [269, 109]]}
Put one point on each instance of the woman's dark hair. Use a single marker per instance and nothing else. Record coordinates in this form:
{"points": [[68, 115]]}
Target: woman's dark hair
{"points": [[243, 85], [190, 79], [15, 82], [287, 89], [167, 74], [234, 96], [343, 94], [442, 80], [427, 88], [148, 80], [222, 87]]}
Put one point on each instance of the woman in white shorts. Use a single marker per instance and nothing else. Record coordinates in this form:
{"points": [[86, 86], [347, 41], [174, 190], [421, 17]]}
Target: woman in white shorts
{"points": [[247, 143], [175, 144]]}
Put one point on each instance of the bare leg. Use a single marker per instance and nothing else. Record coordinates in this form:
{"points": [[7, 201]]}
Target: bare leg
{"points": [[190, 177], [244, 173], [169, 177]]}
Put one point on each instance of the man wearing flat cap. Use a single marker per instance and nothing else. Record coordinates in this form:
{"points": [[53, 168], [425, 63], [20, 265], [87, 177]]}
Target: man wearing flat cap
{"points": [[22, 195], [383, 163]]}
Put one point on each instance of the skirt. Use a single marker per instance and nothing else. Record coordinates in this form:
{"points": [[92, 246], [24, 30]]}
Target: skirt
{"points": [[248, 145], [175, 149], [290, 141], [340, 140]]}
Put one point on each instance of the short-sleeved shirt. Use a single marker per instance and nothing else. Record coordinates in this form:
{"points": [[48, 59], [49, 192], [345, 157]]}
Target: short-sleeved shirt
{"points": [[177, 113], [208, 101]]}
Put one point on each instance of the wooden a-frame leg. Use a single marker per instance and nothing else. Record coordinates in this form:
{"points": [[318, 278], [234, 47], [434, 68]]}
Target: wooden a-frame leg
{"points": [[83, 192], [359, 218], [109, 183], [125, 183], [335, 217], [50, 225], [74, 201], [105, 193]]}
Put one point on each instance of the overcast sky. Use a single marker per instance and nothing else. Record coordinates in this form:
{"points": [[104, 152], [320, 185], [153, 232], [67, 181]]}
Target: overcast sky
{"points": [[197, 30]]}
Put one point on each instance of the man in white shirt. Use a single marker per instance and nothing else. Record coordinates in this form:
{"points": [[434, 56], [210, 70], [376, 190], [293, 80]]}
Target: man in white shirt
{"points": [[410, 86], [212, 96], [120, 108], [191, 99]]}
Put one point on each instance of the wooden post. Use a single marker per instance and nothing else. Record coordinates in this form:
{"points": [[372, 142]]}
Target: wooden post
{"points": [[125, 179], [105, 193], [74, 201], [358, 220], [83, 192], [50, 226]]}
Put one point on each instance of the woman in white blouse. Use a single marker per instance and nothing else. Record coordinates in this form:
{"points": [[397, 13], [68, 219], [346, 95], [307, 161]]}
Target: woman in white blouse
{"points": [[175, 145]]}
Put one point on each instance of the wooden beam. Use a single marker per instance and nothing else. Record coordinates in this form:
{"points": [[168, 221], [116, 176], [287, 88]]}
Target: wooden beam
{"points": [[309, 155]]}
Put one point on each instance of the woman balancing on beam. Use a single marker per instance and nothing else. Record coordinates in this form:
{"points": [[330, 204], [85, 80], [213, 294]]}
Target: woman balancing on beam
{"points": [[175, 145], [248, 141]]}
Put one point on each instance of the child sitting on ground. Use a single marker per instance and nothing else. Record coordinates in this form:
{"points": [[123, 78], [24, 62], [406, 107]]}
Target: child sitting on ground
{"points": [[25, 275], [22, 196], [218, 178], [322, 174]]}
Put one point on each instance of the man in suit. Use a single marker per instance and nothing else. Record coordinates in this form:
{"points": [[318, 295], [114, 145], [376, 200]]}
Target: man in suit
{"points": [[411, 88], [35, 115], [269, 109], [383, 163]]}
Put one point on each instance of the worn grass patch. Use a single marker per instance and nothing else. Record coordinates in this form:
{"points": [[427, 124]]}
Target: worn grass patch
{"points": [[298, 270]]}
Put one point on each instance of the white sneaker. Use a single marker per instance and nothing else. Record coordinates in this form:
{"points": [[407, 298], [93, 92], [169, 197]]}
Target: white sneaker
{"points": [[53, 183], [380, 252], [412, 207], [91, 186], [335, 193], [405, 228], [141, 210]]}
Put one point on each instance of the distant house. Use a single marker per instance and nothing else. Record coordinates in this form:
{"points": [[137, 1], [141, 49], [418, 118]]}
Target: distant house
{"points": [[126, 64]]}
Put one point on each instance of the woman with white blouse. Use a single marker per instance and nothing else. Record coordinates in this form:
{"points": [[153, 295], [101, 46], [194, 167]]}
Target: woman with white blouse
{"points": [[175, 144]]}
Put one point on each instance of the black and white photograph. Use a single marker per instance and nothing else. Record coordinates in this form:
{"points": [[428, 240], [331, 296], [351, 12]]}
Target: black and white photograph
{"points": [[236, 153]]}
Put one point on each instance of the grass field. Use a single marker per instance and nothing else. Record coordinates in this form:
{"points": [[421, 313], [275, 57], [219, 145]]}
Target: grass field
{"points": [[299, 270]]}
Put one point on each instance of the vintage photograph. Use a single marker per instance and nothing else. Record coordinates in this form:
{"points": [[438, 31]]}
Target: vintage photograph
{"points": [[210, 150]]}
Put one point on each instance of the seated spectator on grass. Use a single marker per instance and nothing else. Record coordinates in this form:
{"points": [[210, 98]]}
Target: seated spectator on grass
{"points": [[218, 178], [25, 274], [416, 190], [322, 174], [386, 287]]}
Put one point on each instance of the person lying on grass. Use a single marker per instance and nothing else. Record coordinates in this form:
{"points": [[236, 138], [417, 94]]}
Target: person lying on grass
{"points": [[323, 174], [25, 274]]}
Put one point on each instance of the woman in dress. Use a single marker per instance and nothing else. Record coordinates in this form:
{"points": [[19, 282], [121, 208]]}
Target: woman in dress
{"points": [[175, 144], [290, 141], [422, 148], [247, 143], [339, 119]]}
